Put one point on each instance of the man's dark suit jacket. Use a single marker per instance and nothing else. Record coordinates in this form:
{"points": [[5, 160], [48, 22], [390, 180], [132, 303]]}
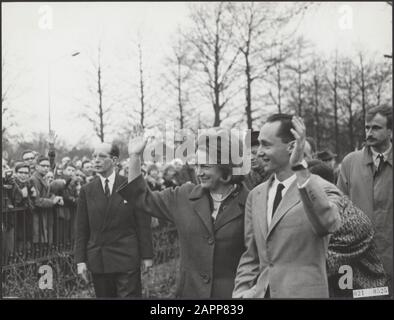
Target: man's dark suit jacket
{"points": [[111, 236]]}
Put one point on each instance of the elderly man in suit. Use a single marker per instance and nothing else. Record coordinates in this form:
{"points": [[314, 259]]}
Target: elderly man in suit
{"points": [[111, 236], [287, 220]]}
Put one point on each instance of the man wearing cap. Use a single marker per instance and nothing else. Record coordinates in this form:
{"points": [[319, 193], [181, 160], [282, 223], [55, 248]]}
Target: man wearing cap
{"points": [[327, 157], [366, 176], [209, 216], [257, 174], [288, 220]]}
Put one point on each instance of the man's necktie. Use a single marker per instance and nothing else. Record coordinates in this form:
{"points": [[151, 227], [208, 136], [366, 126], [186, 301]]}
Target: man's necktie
{"points": [[106, 189], [278, 198], [381, 161]]}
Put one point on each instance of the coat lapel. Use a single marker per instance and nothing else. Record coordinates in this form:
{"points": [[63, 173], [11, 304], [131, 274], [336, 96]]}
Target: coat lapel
{"points": [[367, 175], [200, 205], [233, 209], [290, 199], [260, 206], [113, 201]]}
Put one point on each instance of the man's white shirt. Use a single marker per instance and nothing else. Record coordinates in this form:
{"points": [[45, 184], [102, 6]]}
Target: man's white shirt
{"points": [[111, 181], [375, 155], [272, 192]]}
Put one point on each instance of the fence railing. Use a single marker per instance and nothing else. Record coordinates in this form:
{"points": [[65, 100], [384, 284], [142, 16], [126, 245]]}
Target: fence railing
{"points": [[33, 235], [32, 238]]}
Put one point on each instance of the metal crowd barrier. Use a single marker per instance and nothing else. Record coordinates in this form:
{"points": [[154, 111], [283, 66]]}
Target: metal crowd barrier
{"points": [[32, 238], [33, 235]]}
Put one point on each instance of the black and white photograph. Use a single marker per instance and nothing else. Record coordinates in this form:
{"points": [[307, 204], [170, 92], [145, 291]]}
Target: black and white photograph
{"points": [[197, 151]]}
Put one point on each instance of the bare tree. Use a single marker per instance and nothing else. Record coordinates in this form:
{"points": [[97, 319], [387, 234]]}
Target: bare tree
{"points": [[318, 88], [178, 75], [7, 87], [215, 58], [277, 75], [363, 82], [258, 30], [381, 83], [300, 68], [348, 85], [334, 86], [96, 111]]}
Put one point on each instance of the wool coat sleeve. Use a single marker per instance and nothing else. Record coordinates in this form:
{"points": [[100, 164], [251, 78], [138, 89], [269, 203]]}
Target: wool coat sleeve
{"points": [[41, 201], [82, 228], [160, 204]]}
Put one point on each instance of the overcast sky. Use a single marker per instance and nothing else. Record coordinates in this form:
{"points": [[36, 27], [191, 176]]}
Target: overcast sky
{"points": [[77, 27]]}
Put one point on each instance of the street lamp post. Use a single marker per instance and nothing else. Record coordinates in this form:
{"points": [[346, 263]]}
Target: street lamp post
{"points": [[49, 85]]}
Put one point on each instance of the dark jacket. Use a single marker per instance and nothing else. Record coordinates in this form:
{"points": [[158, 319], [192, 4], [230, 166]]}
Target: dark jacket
{"points": [[254, 178], [43, 198], [110, 235], [17, 198], [210, 251]]}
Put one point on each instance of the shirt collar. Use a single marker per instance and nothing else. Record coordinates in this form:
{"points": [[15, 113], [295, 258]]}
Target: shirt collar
{"points": [[111, 178], [287, 183], [385, 154]]}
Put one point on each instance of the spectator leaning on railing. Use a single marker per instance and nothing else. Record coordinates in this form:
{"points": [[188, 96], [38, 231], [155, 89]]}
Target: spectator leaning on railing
{"points": [[42, 218]]}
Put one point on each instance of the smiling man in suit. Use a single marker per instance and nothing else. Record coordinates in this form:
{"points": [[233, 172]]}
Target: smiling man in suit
{"points": [[287, 220], [111, 236]]}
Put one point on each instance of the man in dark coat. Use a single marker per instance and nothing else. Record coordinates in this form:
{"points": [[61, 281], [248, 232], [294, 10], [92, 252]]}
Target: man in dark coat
{"points": [[111, 237]]}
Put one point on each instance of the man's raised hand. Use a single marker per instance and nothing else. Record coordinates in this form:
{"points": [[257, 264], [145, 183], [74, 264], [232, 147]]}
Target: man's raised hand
{"points": [[299, 133], [137, 141]]}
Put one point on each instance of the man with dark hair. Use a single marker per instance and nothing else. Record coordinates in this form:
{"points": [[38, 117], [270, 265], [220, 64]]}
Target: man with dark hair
{"points": [[87, 169], [366, 176], [111, 236], [257, 173], [29, 157], [69, 171], [288, 220]]}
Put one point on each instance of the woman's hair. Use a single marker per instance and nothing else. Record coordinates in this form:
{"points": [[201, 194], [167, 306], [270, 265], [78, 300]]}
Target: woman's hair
{"points": [[321, 169], [151, 167], [167, 168], [227, 170], [225, 142]]}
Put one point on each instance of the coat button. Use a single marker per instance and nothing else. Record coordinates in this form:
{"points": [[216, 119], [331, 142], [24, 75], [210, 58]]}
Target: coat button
{"points": [[205, 278], [211, 241]]}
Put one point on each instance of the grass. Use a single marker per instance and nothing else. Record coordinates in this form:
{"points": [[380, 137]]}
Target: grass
{"points": [[158, 283]]}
